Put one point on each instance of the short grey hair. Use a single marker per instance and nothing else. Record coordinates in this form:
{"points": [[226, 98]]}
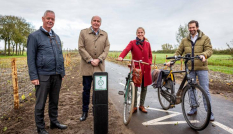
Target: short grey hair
{"points": [[48, 11], [96, 16]]}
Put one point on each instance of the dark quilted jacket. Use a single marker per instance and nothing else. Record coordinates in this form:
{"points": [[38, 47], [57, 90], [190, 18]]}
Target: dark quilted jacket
{"points": [[44, 54]]}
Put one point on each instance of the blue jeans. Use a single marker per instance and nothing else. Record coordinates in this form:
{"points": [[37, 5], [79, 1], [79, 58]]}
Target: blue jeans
{"points": [[204, 83]]}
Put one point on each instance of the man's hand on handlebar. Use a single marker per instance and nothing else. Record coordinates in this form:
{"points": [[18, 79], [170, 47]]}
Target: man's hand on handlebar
{"points": [[203, 59]]}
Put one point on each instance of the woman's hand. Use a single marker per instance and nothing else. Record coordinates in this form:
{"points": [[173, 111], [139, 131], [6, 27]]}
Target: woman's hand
{"points": [[120, 58]]}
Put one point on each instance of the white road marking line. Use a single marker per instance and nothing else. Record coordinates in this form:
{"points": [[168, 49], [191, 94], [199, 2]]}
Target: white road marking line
{"points": [[169, 123], [157, 121], [156, 109], [228, 129], [122, 84]]}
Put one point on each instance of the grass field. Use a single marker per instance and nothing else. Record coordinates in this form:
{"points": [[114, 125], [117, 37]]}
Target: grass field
{"points": [[219, 63], [14, 56]]}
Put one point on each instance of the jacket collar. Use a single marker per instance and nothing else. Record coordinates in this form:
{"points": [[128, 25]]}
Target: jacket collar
{"points": [[47, 33], [200, 34], [91, 32]]}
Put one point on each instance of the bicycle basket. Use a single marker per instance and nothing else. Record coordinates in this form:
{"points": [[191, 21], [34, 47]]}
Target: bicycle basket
{"points": [[156, 78]]}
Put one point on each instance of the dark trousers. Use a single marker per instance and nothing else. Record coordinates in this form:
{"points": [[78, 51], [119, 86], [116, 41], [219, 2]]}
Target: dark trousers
{"points": [[49, 84], [87, 80]]}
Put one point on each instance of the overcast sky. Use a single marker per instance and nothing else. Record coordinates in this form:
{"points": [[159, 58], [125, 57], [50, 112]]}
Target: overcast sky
{"points": [[121, 18]]}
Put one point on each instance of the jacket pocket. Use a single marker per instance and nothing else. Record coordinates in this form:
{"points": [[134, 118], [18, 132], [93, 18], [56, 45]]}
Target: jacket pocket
{"points": [[49, 63], [205, 63], [40, 61]]}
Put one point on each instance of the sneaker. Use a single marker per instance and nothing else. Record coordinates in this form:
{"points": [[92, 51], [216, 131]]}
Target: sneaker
{"points": [[212, 117], [192, 112]]}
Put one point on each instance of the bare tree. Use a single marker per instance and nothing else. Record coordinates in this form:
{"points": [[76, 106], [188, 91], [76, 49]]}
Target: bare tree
{"points": [[230, 48], [167, 46], [182, 33]]}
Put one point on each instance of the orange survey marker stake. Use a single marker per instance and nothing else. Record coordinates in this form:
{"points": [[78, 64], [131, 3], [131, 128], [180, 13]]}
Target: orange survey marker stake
{"points": [[166, 62], [181, 64], [15, 84], [155, 62]]}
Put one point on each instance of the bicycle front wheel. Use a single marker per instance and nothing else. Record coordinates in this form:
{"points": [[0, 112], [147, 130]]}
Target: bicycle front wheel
{"points": [[129, 103], [196, 107]]}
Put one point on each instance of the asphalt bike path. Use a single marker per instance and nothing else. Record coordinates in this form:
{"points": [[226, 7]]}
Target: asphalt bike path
{"points": [[161, 121]]}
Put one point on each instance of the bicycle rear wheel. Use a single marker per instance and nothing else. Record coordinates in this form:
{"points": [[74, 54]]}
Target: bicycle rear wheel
{"points": [[195, 98], [164, 99], [129, 103]]}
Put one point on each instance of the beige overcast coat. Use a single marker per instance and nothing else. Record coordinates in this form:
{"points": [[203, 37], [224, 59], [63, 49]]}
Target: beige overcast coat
{"points": [[92, 46]]}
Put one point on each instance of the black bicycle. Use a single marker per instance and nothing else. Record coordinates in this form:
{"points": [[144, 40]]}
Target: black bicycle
{"points": [[192, 95]]}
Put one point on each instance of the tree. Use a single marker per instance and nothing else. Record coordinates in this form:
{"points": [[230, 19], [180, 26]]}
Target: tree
{"points": [[230, 48], [182, 33], [3, 31], [167, 47], [14, 31]]}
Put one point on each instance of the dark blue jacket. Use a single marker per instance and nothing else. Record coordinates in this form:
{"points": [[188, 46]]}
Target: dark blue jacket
{"points": [[44, 54]]}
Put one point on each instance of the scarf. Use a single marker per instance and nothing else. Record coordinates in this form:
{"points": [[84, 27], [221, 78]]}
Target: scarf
{"points": [[139, 42]]}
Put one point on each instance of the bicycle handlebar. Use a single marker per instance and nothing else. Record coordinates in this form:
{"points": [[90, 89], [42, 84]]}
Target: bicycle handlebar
{"points": [[140, 61], [185, 57]]}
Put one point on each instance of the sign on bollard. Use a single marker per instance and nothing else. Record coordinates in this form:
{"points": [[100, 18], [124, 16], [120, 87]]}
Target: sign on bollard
{"points": [[100, 102]]}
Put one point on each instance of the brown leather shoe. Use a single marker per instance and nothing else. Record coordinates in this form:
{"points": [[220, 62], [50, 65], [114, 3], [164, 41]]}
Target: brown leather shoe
{"points": [[142, 108], [134, 109]]}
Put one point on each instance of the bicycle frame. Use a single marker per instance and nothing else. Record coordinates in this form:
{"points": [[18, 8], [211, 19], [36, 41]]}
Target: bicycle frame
{"points": [[186, 77]]}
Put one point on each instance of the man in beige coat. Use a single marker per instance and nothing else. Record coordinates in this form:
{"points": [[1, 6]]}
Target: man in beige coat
{"points": [[93, 46]]}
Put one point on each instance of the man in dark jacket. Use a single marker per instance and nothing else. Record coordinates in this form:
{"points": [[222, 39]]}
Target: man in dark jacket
{"points": [[46, 70]]}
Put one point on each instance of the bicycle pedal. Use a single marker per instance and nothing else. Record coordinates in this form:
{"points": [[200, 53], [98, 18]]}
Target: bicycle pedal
{"points": [[172, 106], [121, 93]]}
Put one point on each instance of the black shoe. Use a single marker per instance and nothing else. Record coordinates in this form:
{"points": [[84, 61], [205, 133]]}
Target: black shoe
{"points": [[42, 131], [84, 116], [57, 125]]}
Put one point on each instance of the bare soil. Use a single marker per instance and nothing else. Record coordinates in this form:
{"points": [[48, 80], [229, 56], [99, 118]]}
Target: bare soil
{"points": [[70, 109]]}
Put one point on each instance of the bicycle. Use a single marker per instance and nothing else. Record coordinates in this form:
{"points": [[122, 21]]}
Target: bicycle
{"points": [[129, 93], [189, 95]]}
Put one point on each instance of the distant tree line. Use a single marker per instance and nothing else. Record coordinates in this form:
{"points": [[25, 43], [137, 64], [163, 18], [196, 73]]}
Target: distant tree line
{"points": [[14, 32]]}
